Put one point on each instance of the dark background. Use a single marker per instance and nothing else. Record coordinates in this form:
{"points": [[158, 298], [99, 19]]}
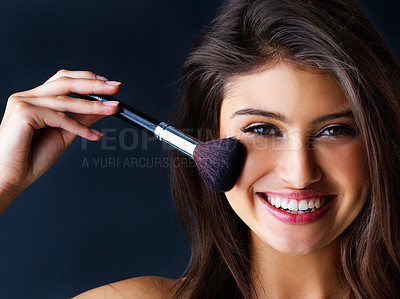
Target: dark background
{"points": [[81, 226]]}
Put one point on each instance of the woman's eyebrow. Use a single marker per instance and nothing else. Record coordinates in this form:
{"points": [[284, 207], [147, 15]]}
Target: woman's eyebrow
{"points": [[259, 112], [328, 117], [282, 118]]}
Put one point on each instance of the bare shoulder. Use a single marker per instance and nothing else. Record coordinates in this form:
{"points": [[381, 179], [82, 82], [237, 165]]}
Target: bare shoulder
{"points": [[138, 287]]}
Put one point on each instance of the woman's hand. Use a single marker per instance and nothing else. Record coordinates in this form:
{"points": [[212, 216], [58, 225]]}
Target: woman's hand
{"points": [[35, 129]]}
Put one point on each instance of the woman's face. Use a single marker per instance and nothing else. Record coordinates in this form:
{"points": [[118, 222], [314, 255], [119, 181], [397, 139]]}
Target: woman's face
{"points": [[305, 177]]}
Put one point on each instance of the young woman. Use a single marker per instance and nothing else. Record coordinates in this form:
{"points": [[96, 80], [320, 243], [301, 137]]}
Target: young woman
{"points": [[313, 93]]}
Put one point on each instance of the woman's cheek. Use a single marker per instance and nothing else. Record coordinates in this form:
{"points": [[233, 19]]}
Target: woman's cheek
{"points": [[346, 170], [345, 164], [259, 163]]}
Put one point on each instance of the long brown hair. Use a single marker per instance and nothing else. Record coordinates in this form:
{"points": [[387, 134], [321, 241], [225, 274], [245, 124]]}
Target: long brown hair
{"points": [[334, 36]]}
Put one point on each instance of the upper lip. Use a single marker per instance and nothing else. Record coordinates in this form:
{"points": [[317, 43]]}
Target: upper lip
{"points": [[299, 194]]}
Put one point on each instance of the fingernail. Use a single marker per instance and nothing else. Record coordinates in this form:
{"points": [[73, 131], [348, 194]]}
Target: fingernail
{"points": [[97, 132], [113, 83], [98, 77], [111, 103]]}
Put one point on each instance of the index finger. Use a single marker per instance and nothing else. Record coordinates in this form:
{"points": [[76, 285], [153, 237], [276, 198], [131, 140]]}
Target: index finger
{"points": [[75, 74], [67, 85]]}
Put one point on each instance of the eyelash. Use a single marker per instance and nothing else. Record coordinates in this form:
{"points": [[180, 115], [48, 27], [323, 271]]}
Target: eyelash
{"points": [[346, 131]]}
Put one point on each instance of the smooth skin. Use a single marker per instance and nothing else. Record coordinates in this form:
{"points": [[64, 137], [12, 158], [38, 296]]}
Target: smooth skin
{"points": [[146, 287], [301, 150]]}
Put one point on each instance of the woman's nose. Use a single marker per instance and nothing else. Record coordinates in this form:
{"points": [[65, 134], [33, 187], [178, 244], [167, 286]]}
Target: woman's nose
{"points": [[297, 166]]}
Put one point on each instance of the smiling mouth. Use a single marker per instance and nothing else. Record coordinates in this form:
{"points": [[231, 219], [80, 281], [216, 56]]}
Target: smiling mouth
{"points": [[294, 206]]}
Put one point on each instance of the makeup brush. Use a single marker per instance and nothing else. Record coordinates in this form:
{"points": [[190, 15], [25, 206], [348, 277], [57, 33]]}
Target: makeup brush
{"points": [[219, 161]]}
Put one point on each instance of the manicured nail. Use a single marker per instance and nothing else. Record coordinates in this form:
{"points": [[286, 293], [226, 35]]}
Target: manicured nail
{"points": [[97, 132], [98, 77], [113, 83], [111, 103]]}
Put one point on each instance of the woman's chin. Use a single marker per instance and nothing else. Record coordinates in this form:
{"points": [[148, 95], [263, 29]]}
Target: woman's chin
{"points": [[297, 250], [294, 245]]}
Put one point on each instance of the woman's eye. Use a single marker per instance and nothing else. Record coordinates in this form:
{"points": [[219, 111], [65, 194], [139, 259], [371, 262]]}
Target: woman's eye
{"points": [[338, 131], [263, 130]]}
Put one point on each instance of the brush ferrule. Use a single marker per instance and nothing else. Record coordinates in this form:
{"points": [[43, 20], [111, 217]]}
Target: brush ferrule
{"points": [[176, 139]]}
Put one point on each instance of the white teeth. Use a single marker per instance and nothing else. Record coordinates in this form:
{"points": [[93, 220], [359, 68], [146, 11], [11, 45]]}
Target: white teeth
{"points": [[303, 205], [311, 204], [278, 202], [297, 207], [284, 204], [318, 203], [293, 206]]}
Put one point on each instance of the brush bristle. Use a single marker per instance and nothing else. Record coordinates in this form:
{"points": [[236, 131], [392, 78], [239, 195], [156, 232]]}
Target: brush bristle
{"points": [[219, 162]]}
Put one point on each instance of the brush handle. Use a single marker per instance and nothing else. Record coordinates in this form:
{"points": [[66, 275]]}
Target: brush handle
{"points": [[128, 113], [164, 132]]}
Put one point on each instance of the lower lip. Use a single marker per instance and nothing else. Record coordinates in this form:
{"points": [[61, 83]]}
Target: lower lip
{"points": [[305, 218]]}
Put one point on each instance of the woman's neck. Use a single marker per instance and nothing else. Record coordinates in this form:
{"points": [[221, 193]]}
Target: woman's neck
{"points": [[279, 275]]}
